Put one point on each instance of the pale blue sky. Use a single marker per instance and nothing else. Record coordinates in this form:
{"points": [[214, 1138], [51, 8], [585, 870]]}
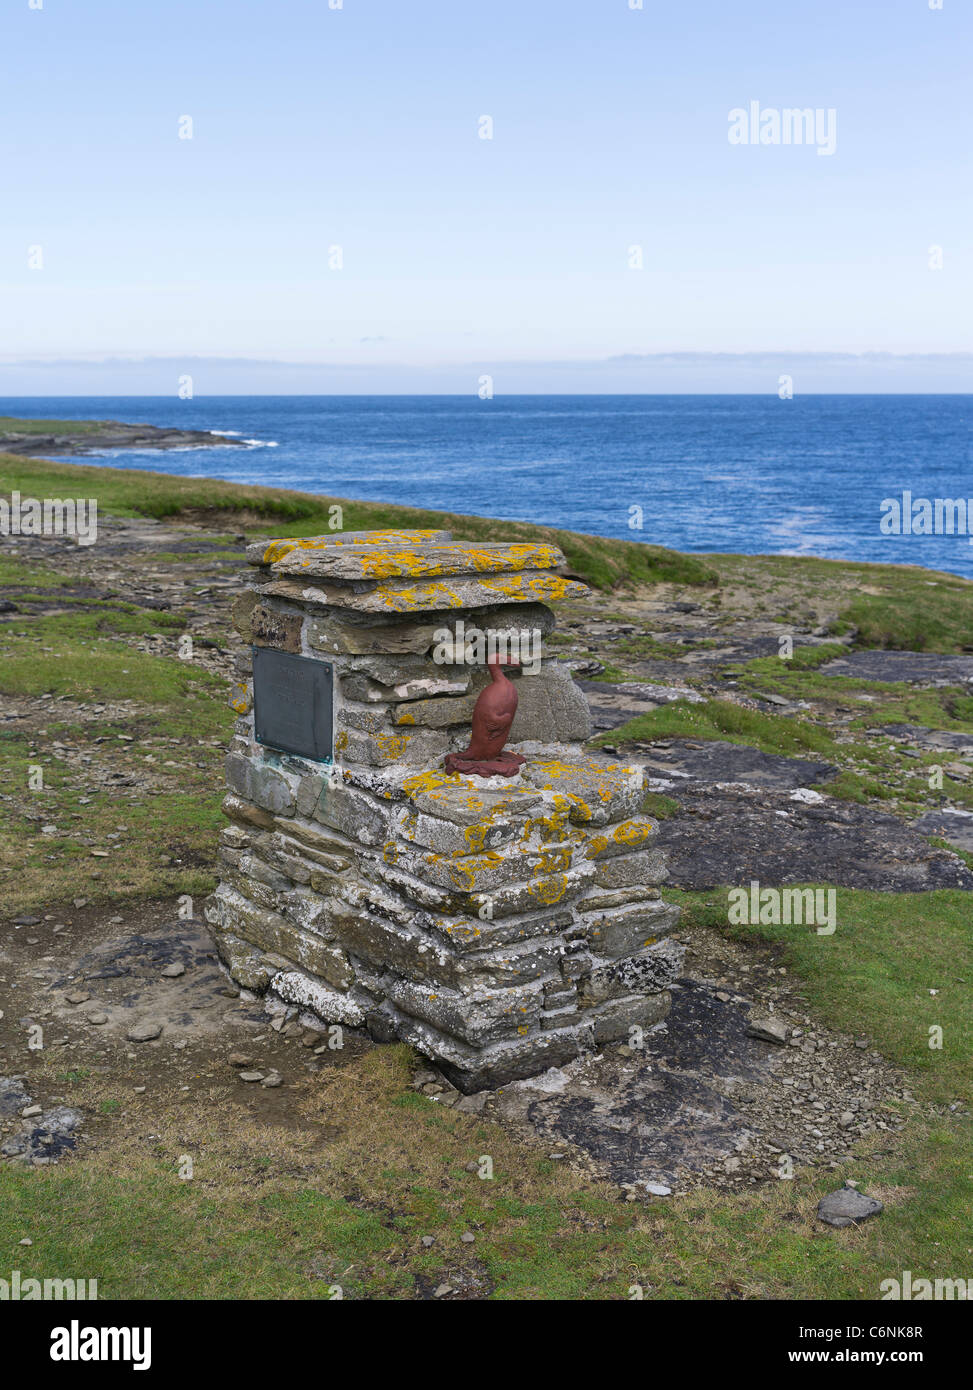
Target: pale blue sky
{"points": [[358, 127]]}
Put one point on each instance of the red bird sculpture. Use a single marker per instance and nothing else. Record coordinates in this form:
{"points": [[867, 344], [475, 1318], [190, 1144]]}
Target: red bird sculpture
{"points": [[493, 715]]}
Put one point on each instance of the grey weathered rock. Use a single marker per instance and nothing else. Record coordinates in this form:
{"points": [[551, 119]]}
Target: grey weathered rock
{"points": [[144, 1032], [43, 1141], [847, 1206], [768, 1029], [13, 1095]]}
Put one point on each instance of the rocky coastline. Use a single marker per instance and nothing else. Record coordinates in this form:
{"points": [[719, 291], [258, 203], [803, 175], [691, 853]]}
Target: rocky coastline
{"points": [[106, 434]]}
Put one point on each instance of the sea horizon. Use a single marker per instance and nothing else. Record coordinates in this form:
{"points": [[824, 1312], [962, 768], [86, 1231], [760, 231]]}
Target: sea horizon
{"points": [[721, 472]]}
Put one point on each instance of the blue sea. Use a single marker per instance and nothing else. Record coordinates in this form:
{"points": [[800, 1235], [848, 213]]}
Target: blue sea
{"points": [[752, 474]]}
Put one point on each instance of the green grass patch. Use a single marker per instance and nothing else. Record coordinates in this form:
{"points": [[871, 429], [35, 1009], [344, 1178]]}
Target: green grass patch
{"points": [[720, 719], [74, 655], [603, 562], [10, 424], [915, 614]]}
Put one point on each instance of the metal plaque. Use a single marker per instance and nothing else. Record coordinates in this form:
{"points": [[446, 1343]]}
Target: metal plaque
{"points": [[293, 700]]}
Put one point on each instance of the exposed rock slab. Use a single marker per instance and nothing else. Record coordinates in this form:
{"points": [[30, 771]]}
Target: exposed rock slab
{"points": [[731, 835], [918, 668], [702, 1100], [717, 761], [955, 740], [954, 826]]}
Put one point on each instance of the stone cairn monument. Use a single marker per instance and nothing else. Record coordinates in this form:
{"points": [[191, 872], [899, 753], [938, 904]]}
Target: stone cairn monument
{"points": [[501, 922]]}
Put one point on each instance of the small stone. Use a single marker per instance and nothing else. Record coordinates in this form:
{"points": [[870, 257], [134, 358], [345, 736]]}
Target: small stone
{"points": [[77, 996], [273, 1078], [443, 1290], [658, 1189], [428, 1240], [144, 1032], [172, 972], [240, 1059], [251, 1076], [847, 1206], [474, 1104], [846, 1118], [768, 1029], [26, 1241], [467, 1237], [96, 1018], [31, 1110], [139, 1090]]}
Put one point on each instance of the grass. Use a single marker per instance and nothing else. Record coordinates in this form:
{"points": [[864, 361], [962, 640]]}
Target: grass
{"points": [[603, 563], [912, 616], [86, 815], [10, 424], [720, 719], [78, 655], [151, 762], [16, 572], [883, 702], [895, 606]]}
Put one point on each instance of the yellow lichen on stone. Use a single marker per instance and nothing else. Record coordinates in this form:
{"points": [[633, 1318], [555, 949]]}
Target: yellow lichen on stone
{"points": [[277, 549], [475, 837], [508, 588], [458, 559], [554, 859], [464, 871], [392, 746], [241, 699], [430, 781], [548, 890], [629, 833]]}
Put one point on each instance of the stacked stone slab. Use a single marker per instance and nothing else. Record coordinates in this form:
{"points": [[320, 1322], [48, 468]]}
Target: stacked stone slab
{"points": [[500, 925]]}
